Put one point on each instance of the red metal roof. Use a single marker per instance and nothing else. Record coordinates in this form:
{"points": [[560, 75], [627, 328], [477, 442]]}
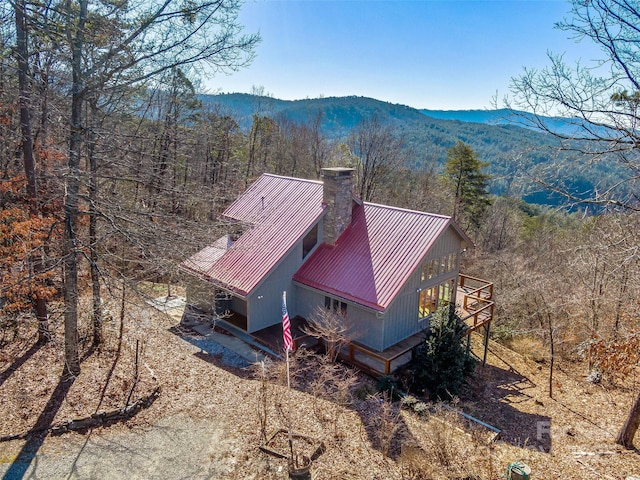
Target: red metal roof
{"points": [[375, 256], [278, 210], [369, 264]]}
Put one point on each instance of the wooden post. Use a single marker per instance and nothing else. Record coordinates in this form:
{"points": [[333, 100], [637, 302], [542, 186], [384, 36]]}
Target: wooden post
{"points": [[486, 342]]}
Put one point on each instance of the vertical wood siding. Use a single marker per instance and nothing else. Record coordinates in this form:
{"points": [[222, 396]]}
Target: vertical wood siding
{"points": [[366, 324], [265, 302], [401, 318]]}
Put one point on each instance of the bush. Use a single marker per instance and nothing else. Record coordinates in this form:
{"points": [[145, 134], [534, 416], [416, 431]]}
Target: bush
{"points": [[388, 384], [441, 362]]}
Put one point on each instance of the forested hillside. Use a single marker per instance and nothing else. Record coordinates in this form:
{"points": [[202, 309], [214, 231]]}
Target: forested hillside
{"points": [[503, 116], [499, 138]]}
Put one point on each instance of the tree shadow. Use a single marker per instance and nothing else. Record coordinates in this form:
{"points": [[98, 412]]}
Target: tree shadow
{"points": [[509, 387], [212, 352], [385, 428], [18, 362], [495, 397], [27, 454]]}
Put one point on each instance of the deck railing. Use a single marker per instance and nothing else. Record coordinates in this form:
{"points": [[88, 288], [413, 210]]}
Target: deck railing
{"points": [[477, 286], [300, 340], [477, 301]]}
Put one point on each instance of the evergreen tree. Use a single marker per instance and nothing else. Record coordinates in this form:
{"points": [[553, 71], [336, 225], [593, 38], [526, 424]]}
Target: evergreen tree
{"points": [[463, 172], [441, 363]]}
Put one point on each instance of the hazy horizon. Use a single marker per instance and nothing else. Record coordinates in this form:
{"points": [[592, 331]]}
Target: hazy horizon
{"points": [[431, 54]]}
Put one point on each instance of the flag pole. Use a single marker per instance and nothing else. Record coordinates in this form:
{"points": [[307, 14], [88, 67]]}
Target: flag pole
{"points": [[288, 345], [289, 422], [288, 376]]}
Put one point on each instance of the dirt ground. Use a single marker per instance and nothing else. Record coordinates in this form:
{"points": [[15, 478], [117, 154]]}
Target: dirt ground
{"points": [[206, 422]]}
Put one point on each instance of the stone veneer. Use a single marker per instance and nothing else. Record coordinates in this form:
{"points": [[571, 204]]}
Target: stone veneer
{"points": [[337, 196]]}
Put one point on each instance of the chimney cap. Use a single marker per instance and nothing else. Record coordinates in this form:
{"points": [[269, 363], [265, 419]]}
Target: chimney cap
{"points": [[337, 172]]}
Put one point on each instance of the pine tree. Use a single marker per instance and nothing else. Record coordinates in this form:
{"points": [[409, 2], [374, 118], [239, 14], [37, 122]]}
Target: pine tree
{"points": [[463, 172], [441, 362]]}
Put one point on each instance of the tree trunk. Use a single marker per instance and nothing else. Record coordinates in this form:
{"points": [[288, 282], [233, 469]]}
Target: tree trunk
{"points": [[70, 264], [630, 427], [93, 231], [27, 152]]}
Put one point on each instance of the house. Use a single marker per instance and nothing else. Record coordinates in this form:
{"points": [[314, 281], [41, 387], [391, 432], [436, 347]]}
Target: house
{"points": [[385, 268]]}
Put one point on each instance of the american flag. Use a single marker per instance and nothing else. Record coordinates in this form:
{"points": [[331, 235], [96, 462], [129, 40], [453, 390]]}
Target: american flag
{"points": [[286, 324]]}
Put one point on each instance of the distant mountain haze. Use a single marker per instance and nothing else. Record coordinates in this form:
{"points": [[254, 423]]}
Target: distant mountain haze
{"points": [[498, 137]]}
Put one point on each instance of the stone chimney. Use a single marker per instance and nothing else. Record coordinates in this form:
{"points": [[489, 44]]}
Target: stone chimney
{"points": [[336, 193]]}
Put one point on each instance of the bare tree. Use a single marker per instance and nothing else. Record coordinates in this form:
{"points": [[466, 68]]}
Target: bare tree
{"points": [[127, 46], [332, 329], [378, 150], [22, 57], [620, 358], [605, 104], [601, 100]]}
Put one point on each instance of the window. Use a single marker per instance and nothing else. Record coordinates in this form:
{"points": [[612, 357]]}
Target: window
{"points": [[453, 261], [310, 240], [430, 269], [335, 305], [435, 297], [427, 302], [446, 293], [439, 266]]}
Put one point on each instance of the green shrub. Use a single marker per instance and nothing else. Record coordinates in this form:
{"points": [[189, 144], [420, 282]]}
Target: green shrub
{"points": [[441, 362]]}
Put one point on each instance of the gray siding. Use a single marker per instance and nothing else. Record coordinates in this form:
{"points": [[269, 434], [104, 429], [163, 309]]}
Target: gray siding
{"points": [[265, 302], [307, 301], [366, 324], [369, 327], [239, 305], [263, 307], [401, 318]]}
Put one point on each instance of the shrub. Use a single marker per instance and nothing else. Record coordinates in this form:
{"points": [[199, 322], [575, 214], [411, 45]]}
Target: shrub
{"points": [[387, 384], [441, 362]]}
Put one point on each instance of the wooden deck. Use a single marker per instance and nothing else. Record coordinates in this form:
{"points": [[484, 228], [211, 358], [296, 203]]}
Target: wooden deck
{"points": [[386, 362], [475, 305], [474, 301]]}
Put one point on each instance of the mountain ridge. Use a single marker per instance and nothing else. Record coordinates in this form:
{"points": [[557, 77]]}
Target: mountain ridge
{"points": [[498, 137]]}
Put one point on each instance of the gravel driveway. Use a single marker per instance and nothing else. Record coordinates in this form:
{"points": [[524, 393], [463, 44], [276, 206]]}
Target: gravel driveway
{"points": [[176, 447]]}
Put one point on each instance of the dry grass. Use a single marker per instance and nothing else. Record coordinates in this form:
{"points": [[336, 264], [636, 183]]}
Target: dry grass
{"points": [[365, 436], [445, 448]]}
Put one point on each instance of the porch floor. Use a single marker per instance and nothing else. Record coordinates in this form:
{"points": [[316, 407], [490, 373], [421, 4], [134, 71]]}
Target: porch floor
{"points": [[370, 361], [272, 336]]}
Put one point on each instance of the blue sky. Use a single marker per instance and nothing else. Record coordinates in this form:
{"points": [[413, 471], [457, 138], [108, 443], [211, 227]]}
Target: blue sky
{"points": [[436, 54]]}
